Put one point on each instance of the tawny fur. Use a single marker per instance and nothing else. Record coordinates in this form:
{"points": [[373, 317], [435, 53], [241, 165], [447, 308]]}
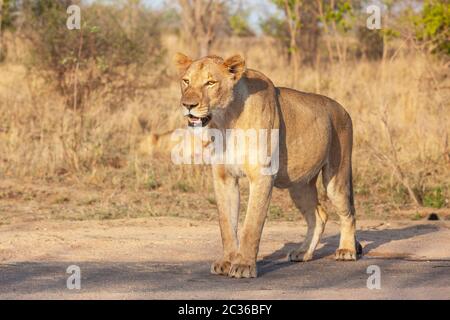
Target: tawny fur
{"points": [[315, 136]]}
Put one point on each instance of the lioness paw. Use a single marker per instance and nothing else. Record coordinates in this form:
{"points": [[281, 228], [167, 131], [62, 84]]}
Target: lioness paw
{"points": [[349, 254], [299, 256], [345, 255], [221, 267], [243, 271]]}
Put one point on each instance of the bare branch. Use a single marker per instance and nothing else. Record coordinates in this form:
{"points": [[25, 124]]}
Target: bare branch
{"points": [[201, 20]]}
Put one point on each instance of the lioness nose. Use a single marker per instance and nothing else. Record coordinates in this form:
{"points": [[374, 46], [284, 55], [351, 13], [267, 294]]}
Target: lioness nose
{"points": [[190, 105]]}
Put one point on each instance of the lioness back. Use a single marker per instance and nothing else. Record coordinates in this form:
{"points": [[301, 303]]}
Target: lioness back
{"points": [[309, 119], [314, 104]]}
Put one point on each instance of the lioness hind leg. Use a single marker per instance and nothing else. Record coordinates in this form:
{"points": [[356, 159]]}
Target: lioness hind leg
{"points": [[337, 180], [340, 192], [305, 199]]}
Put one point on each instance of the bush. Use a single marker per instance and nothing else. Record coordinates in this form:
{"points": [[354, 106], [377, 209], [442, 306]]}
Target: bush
{"points": [[433, 26], [239, 25], [371, 43], [107, 54], [434, 198], [8, 15]]}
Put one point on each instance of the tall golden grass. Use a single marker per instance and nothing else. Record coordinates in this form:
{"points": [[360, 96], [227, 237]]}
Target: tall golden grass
{"points": [[399, 106]]}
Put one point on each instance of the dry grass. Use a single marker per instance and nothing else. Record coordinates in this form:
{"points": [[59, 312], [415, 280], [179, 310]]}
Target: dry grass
{"points": [[400, 110]]}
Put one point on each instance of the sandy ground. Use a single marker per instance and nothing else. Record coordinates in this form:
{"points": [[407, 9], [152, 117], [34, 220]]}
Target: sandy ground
{"points": [[169, 258]]}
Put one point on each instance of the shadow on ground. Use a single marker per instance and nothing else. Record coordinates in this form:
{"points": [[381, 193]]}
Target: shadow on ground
{"points": [[152, 277], [374, 238]]}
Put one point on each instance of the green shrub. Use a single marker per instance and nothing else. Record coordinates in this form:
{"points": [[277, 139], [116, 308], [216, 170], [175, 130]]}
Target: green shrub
{"points": [[433, 26], [183, 187], [239, 25], [152, 182], [275, 212], [417, 216], [434, 198]]}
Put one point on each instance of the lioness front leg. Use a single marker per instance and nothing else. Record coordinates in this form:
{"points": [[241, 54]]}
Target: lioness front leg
{"points": [[244, 264], [226, 189]]}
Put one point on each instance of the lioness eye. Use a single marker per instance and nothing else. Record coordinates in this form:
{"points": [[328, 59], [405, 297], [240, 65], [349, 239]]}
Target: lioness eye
{"points": [[186, 81], [211, 83]]}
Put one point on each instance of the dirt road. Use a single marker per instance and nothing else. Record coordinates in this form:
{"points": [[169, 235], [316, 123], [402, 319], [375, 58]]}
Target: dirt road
{"points": [[168, 258]]}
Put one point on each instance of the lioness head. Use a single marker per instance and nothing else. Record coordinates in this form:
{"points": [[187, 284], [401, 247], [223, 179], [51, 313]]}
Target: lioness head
{"points": [[207, 84]]}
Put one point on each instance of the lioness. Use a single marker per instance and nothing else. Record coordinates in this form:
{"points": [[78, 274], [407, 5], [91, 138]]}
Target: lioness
{"points": [[315, 135]]}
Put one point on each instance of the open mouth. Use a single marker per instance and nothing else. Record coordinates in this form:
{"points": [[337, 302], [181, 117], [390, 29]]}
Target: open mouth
{"points": [[194, 121]]}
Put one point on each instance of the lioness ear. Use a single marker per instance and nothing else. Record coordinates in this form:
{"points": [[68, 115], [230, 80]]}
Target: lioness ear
{"points": [[182, 62], [236, 65]]}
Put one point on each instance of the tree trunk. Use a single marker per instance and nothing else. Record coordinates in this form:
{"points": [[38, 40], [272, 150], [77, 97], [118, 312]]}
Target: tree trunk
{"points": [[327, 31], [295, 58], [2, 50], [204, 46], [293, 22], [201, 21]]}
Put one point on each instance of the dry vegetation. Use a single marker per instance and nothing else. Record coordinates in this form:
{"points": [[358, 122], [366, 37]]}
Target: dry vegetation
{"points": [[58, 162]]}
